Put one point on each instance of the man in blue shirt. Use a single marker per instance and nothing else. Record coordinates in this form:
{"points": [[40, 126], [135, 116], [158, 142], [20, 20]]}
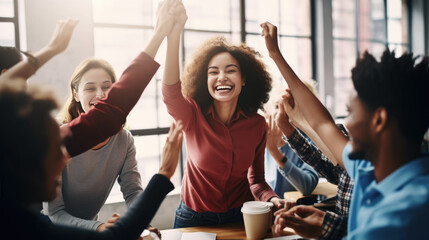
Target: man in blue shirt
{"points": [[388, 117]]}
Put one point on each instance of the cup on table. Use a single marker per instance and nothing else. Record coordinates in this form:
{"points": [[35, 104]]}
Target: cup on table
{"points": [[257, 218]]}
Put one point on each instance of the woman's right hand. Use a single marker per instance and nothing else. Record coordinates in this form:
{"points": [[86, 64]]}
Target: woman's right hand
{"points": [[180, 19], [62, 35], [170, 153], [165, 17]]}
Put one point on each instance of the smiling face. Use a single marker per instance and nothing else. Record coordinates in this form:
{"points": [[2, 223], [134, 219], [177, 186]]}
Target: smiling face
{"points": [[224, 79], [93, 86], [358, 122]]}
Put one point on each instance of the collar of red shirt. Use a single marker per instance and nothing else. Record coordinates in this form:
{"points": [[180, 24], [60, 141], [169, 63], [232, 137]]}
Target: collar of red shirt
{"points": [[239, 112]]}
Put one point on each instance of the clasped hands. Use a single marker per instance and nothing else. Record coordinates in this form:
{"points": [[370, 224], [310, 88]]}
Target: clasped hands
{"points": [[306, 221]]}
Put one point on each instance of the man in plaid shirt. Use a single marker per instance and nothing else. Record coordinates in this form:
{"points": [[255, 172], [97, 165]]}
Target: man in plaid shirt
{"points": [[334, 224]]}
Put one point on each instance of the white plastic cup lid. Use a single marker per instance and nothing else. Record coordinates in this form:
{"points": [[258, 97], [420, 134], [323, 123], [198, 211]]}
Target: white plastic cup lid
{"points": [[256, 207]]}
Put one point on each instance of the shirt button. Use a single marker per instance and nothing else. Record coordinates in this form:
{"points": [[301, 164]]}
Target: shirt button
{"points": [[368, 201]]}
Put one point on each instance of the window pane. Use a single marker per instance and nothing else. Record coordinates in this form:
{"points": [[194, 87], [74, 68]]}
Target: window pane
{"points": [[295, 17], [344, 58], [6, 8], [7, 37], [399, 49], [208, 16], [395, 31], [135, 12], [297, 52], [394, 8], [195, 39], [258, 12], [164, 119], [119, 46], [372, 20], [376, 49], [343, 88], [144, 114], [344, 18], [257, 42]]}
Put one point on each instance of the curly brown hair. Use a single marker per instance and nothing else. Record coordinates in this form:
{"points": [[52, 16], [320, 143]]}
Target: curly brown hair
{"points": [[253, 70]]}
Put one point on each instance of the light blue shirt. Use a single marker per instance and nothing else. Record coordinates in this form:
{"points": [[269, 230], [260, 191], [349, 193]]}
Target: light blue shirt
{"points": [[295, 175], [395, 208]]}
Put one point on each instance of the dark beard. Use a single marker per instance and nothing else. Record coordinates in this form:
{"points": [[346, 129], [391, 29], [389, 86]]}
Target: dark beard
{"points": [[357, 155]]}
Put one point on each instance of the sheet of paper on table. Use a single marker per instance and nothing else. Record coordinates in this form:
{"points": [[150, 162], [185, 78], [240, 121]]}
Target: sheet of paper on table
{"points": [[291, 237], [176, 235], [199, 236]]}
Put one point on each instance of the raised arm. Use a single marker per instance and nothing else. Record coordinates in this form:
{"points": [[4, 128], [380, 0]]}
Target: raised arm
{"points": [[291, 113], [58, 43], [171, 70], [109, 114], [312, 109]]}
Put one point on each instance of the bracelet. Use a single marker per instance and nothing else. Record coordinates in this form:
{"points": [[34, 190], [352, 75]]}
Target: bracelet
{"points": [[284, 159], [31, 59]]}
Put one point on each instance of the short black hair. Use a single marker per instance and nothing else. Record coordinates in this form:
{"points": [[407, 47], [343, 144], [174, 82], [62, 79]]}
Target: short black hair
{"points": [[400, 86], [9, 56]]}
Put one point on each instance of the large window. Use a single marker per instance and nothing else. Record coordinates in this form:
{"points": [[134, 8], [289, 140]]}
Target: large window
{"points": [[364, 25], [9, 23], [293, 19]]}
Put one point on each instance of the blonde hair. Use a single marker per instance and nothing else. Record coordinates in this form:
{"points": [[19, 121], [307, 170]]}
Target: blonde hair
{"points": [[279, 89], [73, 109]]}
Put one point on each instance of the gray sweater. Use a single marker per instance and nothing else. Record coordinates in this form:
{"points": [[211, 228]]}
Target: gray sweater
{"points": [[88, 179]]}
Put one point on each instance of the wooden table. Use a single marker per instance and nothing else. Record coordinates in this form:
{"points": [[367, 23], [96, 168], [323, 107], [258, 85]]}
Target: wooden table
{"points": [[236, 230]]}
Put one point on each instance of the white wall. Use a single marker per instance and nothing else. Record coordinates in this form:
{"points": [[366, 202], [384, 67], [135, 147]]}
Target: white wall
{"points": [[41, 18]]}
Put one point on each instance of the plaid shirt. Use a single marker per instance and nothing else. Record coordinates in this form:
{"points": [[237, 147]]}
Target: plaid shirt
{"points": [[335, 223]]}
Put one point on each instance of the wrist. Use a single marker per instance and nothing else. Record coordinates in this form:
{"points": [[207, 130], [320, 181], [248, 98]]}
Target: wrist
{"points": [[275, 54], [167, 174]]}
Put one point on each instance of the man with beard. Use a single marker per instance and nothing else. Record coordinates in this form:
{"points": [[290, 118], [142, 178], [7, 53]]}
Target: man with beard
{"points": [[388, 117]]}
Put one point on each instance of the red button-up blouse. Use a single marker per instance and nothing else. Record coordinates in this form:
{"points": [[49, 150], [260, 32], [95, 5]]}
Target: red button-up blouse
{"points": [[225, 164]]}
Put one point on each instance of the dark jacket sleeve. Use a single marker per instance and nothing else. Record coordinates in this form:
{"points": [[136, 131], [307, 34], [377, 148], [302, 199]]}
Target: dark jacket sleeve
{"points": [[130, 226]]}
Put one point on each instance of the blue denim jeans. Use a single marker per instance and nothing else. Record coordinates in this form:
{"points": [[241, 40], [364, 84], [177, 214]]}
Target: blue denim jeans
{"points": [[186, 217]]}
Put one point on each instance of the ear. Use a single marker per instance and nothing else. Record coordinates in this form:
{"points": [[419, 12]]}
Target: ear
{"points": [[75, 96], [379, 120], [243, 82]]}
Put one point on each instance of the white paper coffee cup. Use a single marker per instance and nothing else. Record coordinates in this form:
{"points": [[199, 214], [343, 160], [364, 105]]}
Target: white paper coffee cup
{"points": [[256, 217]]}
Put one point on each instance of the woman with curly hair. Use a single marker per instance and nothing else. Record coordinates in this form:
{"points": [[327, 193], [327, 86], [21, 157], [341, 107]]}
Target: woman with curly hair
{"points": [[217, 99]]}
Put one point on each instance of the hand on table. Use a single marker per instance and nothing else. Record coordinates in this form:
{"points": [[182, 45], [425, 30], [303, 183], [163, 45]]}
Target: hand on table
{"points": [[282, 203], [306, 221]]}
